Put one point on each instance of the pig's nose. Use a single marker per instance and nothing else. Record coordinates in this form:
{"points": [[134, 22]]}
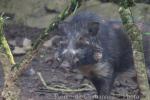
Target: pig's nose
{"points": [[69, 54], [72, 51]]}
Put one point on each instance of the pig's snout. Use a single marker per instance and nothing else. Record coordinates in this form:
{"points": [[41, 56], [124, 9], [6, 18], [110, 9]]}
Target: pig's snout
{"points": [[69, 54]]}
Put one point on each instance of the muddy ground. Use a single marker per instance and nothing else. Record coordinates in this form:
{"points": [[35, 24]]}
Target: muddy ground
{"points": [[32, 87], [26, 18]]}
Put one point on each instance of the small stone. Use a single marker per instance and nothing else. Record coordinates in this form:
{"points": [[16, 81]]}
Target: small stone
{"points": [[29, 72], [75, 70], [56, 5], [49, 42], [27, 44], [19, 51], [32, 71], [12, 42]]}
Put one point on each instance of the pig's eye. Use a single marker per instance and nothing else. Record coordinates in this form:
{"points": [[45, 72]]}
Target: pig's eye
{"points": [[83, 40], [81, 45]]}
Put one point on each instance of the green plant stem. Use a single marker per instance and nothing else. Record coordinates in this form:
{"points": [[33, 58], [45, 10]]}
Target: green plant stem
{"points": [[4, 43], [136, 37]]}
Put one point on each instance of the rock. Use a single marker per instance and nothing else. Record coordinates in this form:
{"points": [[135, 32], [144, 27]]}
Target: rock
{"points": [[19, 40], [32, 71], [29, 72], [75, 70], [39, 22], [12, 42], [48, 43], [27, 44], [56, 5], [18, 51]]}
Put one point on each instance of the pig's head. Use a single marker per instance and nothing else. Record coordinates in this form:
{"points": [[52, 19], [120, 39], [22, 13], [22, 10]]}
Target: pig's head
{"points": [[79, 43]]}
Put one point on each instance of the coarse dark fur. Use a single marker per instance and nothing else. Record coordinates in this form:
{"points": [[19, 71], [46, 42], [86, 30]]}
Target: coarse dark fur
{"points": [[102, 51]]}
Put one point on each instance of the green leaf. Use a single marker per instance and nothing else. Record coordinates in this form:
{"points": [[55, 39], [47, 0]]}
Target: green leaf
{"points": [[147, 33]]}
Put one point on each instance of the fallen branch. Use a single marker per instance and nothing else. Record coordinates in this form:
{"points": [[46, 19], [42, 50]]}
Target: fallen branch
{"points": [[62, 88]]}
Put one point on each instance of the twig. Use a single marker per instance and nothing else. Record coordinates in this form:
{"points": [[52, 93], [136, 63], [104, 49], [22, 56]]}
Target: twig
{"points": [[62, 88]]}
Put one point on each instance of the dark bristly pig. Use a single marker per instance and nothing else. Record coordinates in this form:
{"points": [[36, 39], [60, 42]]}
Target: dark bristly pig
{"points": [[97, 49]]}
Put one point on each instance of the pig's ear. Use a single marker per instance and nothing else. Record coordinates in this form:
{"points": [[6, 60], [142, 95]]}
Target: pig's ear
{"points": [[93, 28]]}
